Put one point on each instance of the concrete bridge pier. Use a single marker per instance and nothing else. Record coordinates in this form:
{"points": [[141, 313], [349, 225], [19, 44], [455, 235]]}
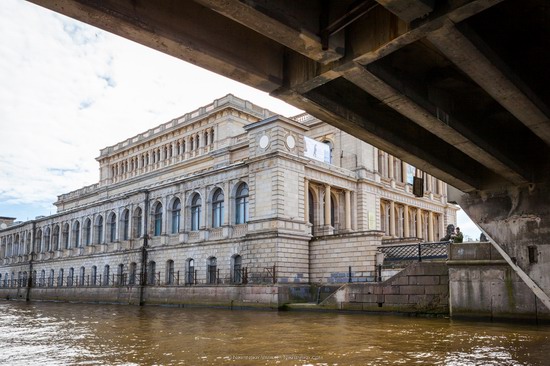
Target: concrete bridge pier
{"points": [[517, 222]]}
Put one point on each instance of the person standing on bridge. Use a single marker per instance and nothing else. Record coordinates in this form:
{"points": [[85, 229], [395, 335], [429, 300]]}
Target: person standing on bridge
{"points": [[458, 237]]}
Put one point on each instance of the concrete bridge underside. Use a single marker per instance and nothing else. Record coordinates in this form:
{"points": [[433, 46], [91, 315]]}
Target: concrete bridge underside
{"points": [[458, 88]]}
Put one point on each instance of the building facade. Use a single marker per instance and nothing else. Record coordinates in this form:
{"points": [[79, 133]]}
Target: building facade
{"points": [[231, 196]]}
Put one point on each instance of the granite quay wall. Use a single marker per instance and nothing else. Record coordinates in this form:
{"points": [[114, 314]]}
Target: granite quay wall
{"points": [[421, 288], [238, 296], [342, 258], [483, 285]]}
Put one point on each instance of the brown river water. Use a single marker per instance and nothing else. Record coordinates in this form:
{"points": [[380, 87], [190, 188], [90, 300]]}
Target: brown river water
{"points": [[85, 334]]}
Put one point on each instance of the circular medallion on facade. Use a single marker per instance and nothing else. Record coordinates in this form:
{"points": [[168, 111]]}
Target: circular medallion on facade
{"points": [[290, 142], [264, 141]]}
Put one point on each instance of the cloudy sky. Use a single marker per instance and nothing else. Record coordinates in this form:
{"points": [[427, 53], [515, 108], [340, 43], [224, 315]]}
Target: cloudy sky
{"points": [[68, 89]]}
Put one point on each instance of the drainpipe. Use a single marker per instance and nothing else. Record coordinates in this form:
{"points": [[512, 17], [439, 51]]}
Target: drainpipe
{"points": [[143, 278]]}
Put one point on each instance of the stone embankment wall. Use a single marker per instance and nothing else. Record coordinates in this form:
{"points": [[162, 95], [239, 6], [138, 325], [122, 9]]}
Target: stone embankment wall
{"points": [[332, 256], [243, 296], [483, 285], [420, 288]]}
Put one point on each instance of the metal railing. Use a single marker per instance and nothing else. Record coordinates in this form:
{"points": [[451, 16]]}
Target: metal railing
{"points": [[415, 252], [242, 276]]}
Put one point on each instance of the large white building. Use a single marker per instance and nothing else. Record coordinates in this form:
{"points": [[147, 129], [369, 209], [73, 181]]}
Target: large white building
{"points": [[229, 195]]}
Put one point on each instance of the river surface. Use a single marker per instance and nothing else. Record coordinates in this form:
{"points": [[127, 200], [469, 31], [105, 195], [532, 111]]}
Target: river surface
{"points": [[85, 334]]}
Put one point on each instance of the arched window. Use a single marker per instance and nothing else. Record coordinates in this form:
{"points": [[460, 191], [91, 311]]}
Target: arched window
{"points": [[76, 234], [158, 219], [39, 246], [190, 272], [385, 217], [217, 208], [99, 230], [112, 227], [55, 238], [176, 216], [436, 225], [60, 278], [132, 273], [237, 269], [93, 277], [82, 276], [15, 247], [88, 232], [66, 236], [51, 278], [138, 222], [106, 275], [196, 203], [169, 272], [70, 277], [212, 270], [120, 275], [125, 218], [425, 225], [42, 281], [28, 246], [400, 220], [152, 274], [47, 242], [241, 204]]}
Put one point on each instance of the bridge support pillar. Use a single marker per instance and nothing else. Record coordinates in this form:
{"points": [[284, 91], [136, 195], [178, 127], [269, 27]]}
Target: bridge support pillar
{"points": [[517, 219]]}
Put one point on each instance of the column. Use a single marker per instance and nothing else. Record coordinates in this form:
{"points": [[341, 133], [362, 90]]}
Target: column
{"points": [[306, 201], [392, 218], [200, 142], [228, 204], [390, 167], [406, 228], [418, 222], [347, 195], [204, 205], [188, 147], [430, 226], [327, 205]]}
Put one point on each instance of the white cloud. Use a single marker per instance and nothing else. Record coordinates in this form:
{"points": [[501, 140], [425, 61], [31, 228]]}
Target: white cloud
{"points": [[68, 89]]}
